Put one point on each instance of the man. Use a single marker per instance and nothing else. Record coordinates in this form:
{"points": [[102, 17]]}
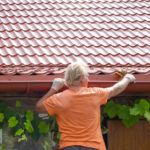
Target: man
{"points": [[77, 108]]}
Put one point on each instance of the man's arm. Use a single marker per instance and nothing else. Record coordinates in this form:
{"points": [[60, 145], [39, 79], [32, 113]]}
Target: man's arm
{"points": [[39, 105], [121, 85], [56, 86]]}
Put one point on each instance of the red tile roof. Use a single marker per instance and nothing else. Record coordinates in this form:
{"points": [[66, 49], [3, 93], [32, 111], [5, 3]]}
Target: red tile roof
{"points": [[44, 36]]}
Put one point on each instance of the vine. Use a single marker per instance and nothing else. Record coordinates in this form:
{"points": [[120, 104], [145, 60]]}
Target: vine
{"points": [[128, 114], [25, 124]]}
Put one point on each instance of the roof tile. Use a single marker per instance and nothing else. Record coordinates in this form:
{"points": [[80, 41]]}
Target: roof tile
{"points": [[106, 34], [3, 52]]}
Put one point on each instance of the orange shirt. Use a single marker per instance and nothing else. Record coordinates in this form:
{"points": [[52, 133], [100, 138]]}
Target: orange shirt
{"points": [[78, 116]]}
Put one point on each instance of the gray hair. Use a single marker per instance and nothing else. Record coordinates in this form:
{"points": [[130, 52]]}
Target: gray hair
{"points": [[74, 72]]}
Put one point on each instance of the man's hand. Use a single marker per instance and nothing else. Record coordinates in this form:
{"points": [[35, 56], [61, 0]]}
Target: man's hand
{"points": [[57, 84], [131, 77], [121, 85], [123, 74]]}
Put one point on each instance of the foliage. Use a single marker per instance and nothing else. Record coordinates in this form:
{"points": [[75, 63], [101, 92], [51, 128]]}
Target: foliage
{"points": [[28, 126], [111, 109], [19, 132], [18, 104], [43, 127], [141, 108], [129, 115], [147, 115], [12, 122], [23, 138], [29, 115], [1, 117], [28, 123]]}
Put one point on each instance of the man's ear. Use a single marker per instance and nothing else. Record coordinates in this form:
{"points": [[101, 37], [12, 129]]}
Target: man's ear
{"points": [[81, 79]]}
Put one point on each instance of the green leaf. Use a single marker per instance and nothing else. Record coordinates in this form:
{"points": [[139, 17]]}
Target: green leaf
{"points": [[111, 109], [43, 127], [144, 104], [131, 121], [29, 126], [140, 108], [18, 104], [29, 115], [1, 117], [23, 138], [12, 122], [147, 116], [136, 110], [19, 132], [58, 136], [123, 112]]}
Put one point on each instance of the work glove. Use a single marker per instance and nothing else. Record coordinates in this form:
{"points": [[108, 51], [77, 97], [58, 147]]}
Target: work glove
{"points": [[43, 116], [123, 74], [57, 84], [131, 77]]}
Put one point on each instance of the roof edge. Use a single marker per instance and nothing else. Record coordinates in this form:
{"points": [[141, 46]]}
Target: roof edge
{"points": [[42, 83]]}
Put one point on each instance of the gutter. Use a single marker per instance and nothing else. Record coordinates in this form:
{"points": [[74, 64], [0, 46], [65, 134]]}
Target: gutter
{"points": [[42, 83]]}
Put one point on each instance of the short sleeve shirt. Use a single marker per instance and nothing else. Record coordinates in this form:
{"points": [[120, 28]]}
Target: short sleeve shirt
{"points": [[78, 116]]}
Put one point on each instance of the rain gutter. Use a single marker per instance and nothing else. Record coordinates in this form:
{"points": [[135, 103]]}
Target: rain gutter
{"points": [[41, 83]]}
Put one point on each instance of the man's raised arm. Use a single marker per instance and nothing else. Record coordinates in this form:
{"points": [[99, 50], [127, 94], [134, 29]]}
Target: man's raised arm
{"points": [[121, 85], [57, 84]]}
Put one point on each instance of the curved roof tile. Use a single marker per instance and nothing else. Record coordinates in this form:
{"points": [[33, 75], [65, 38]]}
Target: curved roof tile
{"points": [[44, 36]]}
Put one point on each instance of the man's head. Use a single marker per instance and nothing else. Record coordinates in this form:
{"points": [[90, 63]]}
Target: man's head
{"points": [[76, 75]]}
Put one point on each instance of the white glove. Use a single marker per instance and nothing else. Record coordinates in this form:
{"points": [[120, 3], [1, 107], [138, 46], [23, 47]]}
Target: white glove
{"points": [[131, 77], [58, 83], [44, 116]]}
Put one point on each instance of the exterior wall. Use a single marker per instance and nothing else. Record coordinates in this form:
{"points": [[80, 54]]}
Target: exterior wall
{"points": [[11, 143], [27, 102], [119, 137], [135, 138]]}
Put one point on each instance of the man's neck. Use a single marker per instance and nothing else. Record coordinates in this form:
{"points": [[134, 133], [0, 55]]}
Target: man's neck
{"points": [[76, 87]]}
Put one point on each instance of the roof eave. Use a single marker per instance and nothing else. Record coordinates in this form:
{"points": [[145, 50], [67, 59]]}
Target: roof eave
{"points": [[41, 83]]}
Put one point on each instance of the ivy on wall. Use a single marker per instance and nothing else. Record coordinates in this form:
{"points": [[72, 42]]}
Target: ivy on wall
{"points": [[128, 114], [28, 123]]}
